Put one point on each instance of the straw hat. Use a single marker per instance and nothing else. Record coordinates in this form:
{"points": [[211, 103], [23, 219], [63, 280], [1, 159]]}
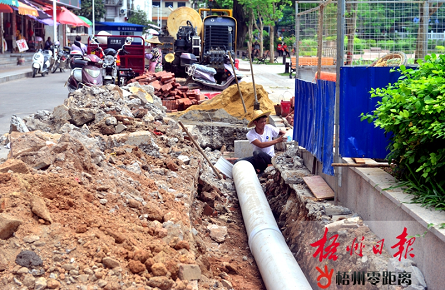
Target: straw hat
{"points": [[257, 114], [169, 57], [154, 40]]}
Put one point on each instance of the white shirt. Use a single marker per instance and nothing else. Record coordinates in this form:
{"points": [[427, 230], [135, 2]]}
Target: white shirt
{"points": [[269, 133]]}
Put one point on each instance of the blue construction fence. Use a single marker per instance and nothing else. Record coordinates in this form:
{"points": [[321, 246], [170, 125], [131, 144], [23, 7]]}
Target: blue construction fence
{"points": [[314, 115]]}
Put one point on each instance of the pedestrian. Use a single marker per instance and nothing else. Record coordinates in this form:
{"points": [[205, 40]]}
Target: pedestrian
{"points": [[280, 49], [261, 138], [285, 50], [155, 55], [78, 45], [48, 44]]}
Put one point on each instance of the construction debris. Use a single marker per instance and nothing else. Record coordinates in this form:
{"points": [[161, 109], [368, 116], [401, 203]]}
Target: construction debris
{"points": [[106, 193], [174, 96]]}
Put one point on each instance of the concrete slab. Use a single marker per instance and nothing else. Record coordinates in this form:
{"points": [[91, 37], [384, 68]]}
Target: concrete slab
{"points": [[243, 148]]}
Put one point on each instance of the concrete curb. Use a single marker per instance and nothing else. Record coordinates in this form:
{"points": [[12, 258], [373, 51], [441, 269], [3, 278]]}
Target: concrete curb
{"points": [[15, 76]]}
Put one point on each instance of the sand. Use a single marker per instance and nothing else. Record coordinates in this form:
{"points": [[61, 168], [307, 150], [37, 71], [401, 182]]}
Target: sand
{"points": [[230, 101]]}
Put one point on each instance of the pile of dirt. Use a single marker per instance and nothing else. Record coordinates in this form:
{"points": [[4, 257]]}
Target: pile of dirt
{"points": [[230, 101], [105, 197]]}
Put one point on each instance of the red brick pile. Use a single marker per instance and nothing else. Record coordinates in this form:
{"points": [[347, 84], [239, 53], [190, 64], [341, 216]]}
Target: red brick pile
{"points": [[174, 96]]}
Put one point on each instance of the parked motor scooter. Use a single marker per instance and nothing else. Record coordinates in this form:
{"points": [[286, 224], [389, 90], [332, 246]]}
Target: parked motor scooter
{"points": [[111, 61], [61, 58], [41, 62], [86, 72]]}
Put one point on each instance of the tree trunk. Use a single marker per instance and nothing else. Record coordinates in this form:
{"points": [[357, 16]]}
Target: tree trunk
{"points": [[351, 23], [272, 45], [421, 33], [241, 19]]}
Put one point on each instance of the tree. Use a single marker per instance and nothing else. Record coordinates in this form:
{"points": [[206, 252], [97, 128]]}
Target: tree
{"points": [[87, 7], [139, 17], [421, 33]]}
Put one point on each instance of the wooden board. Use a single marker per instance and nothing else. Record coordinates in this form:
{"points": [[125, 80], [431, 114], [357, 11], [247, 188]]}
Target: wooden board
{"points": [[359, 160], [319, 187]]}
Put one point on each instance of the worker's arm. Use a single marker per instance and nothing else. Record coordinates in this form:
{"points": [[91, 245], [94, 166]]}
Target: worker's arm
{"points": [[260, 144]]}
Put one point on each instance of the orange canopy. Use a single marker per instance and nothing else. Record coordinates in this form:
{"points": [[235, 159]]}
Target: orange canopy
{"points": [[27, 10]]}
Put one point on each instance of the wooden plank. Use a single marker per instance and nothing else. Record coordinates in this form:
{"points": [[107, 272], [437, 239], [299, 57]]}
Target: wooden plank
{"points": [[361, 165], [359, 160], [319, 187]]}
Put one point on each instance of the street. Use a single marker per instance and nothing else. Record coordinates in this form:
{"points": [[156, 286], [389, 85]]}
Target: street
{"points": [[25, 96]]}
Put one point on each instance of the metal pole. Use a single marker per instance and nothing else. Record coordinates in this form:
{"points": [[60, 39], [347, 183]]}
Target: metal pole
{"points": [[55, 21], [426, 17], [160, 14], [237, 84], [297, 41], [94, 25], [320, 40], [340, 60]]}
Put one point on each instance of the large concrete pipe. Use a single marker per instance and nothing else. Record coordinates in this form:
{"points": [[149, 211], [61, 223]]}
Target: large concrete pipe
{"points": [[277, 265]]}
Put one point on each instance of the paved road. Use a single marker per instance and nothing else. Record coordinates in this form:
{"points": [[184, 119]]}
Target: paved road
{"points": [[25, 96]]}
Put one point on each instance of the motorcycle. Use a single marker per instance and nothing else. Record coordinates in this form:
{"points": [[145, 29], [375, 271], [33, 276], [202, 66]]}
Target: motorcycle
{"points": [[61, 58], [41, 62], [111, 62], [86, 72]]}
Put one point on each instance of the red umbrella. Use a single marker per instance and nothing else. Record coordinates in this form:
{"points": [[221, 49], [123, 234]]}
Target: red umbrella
{"points": [[65, 16]]}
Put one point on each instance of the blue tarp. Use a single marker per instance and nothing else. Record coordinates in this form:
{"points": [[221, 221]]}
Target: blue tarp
{"points": [[362, 139], [314, 120]]}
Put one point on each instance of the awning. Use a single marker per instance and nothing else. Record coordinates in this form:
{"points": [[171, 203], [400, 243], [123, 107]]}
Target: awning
{"points": [[10, 2], [46, 21], [5, 8], [119, 26], [64, 16], [25, 9]]}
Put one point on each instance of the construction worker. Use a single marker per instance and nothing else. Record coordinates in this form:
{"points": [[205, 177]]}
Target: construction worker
{"points": [[261, 138]]}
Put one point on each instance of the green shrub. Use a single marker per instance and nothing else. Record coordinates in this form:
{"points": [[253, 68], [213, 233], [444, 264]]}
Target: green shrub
{"points": [[412, 112]]}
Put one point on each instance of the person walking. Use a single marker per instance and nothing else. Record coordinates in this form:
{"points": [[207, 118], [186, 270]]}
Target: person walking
{"points": [[280, 49], [285, 50]]}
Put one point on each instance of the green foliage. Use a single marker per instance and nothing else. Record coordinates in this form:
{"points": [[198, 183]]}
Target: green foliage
{"points": [[412, 111], [86, 8], [139, 17]]}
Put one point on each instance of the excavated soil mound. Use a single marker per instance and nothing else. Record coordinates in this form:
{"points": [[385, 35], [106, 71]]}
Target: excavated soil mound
{"points": [[230, 101]]}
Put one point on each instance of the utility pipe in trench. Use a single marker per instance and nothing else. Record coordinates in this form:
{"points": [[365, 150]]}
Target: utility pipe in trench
{"points": [[277, 265]]}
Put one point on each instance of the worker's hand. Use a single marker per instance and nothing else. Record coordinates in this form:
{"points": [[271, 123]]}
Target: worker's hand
{"points": [[280, 139]]}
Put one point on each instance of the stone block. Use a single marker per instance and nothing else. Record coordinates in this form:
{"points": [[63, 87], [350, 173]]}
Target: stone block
{"points": [[60, 113], [8, 225], [243, 148], [189, 272], [138, 138]]}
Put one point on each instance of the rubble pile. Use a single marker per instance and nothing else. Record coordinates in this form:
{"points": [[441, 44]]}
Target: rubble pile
{"points": [[174, 96], [105, 192]]}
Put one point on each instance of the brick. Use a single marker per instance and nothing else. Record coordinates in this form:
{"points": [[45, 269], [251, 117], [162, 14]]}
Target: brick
{"points": [[189, 272]]}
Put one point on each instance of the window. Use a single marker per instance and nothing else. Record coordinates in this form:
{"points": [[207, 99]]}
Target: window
{"points": [[156, 3], [168, 4], [181, 4]]}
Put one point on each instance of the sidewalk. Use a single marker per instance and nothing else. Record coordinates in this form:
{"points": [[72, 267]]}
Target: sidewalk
{"points": [[14, 73]]}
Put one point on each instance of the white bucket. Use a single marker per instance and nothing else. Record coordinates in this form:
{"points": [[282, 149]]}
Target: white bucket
{"points": [[224, 166]]}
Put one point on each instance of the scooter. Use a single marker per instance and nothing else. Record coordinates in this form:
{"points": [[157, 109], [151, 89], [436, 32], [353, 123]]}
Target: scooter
{"points": [[86, 72], [61, 59], [41, 62], [111, 61]]}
